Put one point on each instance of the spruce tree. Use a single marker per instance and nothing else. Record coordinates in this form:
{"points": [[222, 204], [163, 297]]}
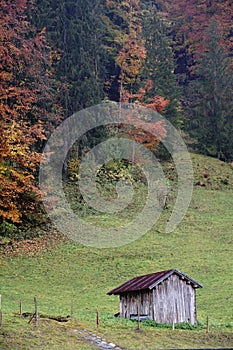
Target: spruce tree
{"points": [[74, 30], [211, 98], [159, 64]]}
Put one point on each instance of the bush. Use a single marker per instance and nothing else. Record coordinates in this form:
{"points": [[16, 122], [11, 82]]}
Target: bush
{"points": [[8, 230], [11, 231]]}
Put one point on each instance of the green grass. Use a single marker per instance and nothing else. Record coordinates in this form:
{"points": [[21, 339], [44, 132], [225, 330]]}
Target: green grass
{"points": [[201, 247], [17, 334]]}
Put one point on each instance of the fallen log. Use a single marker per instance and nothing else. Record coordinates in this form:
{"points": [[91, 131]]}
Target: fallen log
{"points": [[50, 317]]}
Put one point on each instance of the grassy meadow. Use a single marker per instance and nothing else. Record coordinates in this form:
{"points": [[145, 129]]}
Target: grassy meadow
{"points": [[71, 274]]}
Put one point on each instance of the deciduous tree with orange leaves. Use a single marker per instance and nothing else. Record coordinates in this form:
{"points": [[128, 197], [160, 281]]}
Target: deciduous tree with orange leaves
{"points": [[130, 60], [27, 109], [138, 128]]}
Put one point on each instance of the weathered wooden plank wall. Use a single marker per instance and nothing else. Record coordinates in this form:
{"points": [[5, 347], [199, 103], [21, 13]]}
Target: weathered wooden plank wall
{"points": [[130, 302], [173, 300]]}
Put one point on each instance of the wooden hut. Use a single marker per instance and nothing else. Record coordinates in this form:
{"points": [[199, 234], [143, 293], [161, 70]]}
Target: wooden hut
{"points": [[166, 297]]}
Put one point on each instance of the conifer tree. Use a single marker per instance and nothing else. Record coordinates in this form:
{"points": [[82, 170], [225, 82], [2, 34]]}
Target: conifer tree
{"points": [[211, 99], [74, 29], [159, 64]]}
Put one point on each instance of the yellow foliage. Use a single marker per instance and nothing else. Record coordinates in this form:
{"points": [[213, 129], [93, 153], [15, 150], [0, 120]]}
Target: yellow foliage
{"points": [[73, 167]]}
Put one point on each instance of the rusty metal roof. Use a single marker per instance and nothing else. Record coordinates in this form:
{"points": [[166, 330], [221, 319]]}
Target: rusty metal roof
{"points": [[150, 281]]}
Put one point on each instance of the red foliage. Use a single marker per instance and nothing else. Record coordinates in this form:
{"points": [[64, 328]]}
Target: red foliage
{"points": [[156, 103], [142, 131], [24, 92], [191, 18]]}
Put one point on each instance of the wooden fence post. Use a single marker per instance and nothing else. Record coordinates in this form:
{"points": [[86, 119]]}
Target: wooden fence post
{"points": [[36, 311], [207, 324], [138, 316], [0, 310], [20, 307], [72, 308], [97, 319]]}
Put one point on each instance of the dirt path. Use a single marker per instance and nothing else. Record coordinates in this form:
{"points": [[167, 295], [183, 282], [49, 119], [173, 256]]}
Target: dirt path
{"points": [[94, 339]]}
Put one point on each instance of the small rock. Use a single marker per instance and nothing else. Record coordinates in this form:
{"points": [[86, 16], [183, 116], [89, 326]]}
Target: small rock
{"points": [[102, 343], [112, 345]]}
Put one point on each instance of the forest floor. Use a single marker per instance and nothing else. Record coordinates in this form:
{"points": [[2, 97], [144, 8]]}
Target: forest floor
{"points": [[69, 278]]}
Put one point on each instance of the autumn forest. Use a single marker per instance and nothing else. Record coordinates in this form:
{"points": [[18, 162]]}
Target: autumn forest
{"points": [[59, 57]]}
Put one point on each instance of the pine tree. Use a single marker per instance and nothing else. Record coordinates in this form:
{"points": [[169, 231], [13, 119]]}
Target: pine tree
{"points": [[74, 29], [159, 64], [211, 98]]}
